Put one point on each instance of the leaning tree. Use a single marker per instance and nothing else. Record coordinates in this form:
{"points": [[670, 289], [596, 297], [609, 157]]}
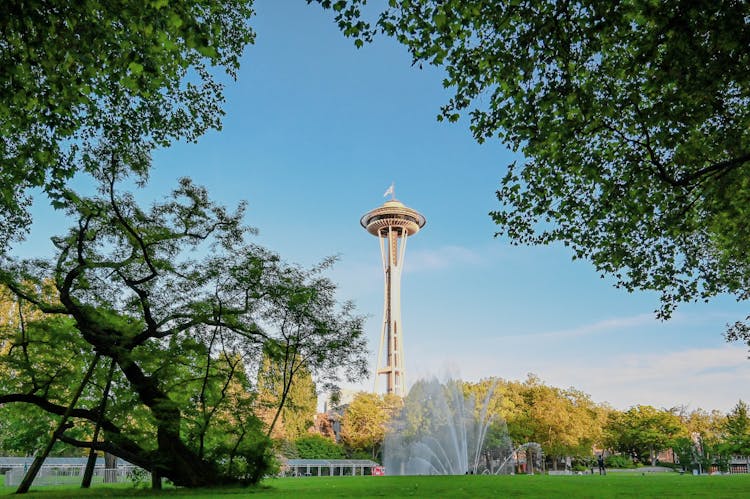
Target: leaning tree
{"points": [[148, 325]]}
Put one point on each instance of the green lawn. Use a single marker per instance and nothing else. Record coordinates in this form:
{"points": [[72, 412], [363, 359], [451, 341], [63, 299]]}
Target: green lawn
{"points": [[572, 487]]}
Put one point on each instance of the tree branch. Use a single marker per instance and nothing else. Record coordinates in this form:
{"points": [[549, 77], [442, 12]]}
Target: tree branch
{"points": [[720, 167], [125, 449], [57, 409], [130, 230], [18, 290]]}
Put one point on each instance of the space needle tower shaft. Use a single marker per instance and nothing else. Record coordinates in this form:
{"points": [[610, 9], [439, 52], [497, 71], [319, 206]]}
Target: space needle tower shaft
{"points": [[392, 223]]}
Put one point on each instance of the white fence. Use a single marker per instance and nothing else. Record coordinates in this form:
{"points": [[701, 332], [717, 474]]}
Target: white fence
{"points": [[73, 474]]}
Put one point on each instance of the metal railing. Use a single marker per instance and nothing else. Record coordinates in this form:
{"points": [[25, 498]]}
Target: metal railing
{"points": [[73, 474]]}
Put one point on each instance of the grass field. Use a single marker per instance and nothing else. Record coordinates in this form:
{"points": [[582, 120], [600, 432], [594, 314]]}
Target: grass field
{"points": [[540, 486]]}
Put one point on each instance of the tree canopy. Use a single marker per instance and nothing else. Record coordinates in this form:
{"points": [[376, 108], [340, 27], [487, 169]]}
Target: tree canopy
{"points": [[565, 422], [287, 400], [737, 429], [365, 421], [642, 431], [632, 119], [75, 71]]}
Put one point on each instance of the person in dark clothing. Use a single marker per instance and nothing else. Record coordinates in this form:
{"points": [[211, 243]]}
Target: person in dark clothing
{"points": [[600, 460]]}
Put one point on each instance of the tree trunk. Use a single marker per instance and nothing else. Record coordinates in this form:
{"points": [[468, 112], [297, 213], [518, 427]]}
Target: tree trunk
{"points": [[155, 480], [88, 473], [182, 466], [91, 462], [110, 468], [36, 465], [173, 459]]}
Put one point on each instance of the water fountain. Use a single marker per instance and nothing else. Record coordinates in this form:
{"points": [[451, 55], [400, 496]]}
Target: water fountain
{"points": [[441, 432]]}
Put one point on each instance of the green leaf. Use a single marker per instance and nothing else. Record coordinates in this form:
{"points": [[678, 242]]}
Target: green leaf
{"points": [[135, 68]]}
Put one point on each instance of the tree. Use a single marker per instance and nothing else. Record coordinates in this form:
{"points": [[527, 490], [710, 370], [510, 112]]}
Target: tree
{"points": [[700, 422], [129, 286], [365, 422], [318, 447], [642, 431], [702, 442], [76, 71], [737, 430], [286, 416], [564, 422], [633, 119]]}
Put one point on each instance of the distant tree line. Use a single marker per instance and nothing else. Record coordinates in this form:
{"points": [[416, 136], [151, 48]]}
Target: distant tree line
{"points": [[567, 423]]}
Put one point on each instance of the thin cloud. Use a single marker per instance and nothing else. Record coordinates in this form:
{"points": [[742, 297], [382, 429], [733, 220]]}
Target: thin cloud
{"points": [[710, 378], [613, 324], [705, 362], [440, 258]]}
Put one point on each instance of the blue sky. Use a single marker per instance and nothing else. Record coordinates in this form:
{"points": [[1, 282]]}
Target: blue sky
{"points": [[316, 130]]}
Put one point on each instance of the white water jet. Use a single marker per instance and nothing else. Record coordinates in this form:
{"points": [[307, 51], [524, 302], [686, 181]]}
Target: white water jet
{"points": [[441, 432]]}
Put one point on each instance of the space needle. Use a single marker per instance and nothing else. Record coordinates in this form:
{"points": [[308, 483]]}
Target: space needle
{"points": [[392, 223]]}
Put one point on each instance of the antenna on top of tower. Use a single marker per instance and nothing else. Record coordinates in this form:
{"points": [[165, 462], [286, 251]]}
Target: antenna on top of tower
{"points": [[391, 190]]}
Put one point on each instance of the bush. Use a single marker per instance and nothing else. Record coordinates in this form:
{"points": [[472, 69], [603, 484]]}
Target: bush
{"points": [[318, 447], [619, 462], [359, 454], [139, 477]]}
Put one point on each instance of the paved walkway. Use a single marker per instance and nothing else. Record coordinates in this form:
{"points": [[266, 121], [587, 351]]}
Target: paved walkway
{"points": [[643, 469]]}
